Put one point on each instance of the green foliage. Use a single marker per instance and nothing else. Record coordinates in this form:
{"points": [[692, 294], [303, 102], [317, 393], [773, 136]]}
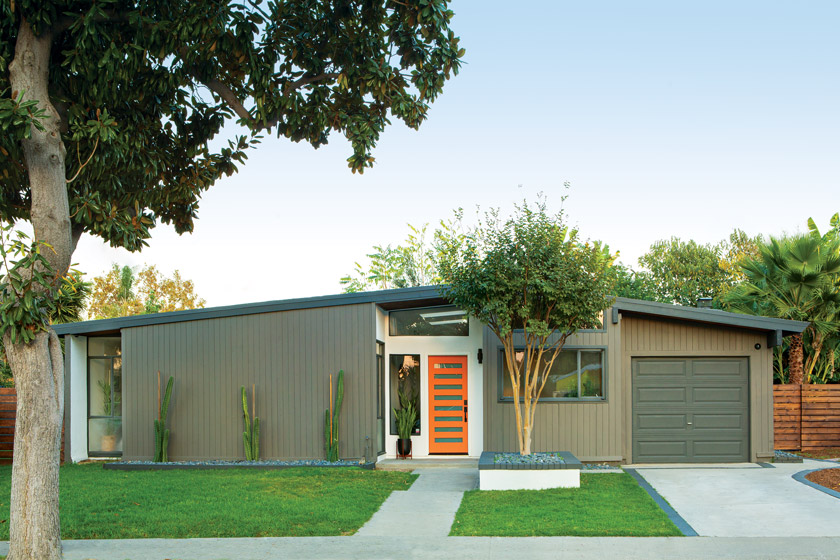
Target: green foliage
{"points": [[628, 283], [681, 272], [251, 435], [529, 272], [331, 422], [33, 293], [797, 277], [161, 431], [413, 263], [145, 87], [406, 415]]}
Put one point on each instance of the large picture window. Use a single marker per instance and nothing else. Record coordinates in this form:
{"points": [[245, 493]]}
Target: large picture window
{"points": [[429, 321], [577, 374], [405, 377], [104, 397]]}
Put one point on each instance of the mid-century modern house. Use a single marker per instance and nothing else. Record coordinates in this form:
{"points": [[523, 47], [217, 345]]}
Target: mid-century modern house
{"points": [[656, 383]]}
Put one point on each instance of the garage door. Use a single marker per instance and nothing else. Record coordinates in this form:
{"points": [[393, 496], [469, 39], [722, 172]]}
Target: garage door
{"points": [[690, 410]]}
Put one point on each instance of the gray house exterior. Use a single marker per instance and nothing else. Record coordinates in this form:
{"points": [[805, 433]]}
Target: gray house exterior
{"points": [[657, 383]]}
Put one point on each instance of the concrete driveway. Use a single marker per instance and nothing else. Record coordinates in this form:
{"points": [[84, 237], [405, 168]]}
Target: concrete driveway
{"points": [[747, 500]]}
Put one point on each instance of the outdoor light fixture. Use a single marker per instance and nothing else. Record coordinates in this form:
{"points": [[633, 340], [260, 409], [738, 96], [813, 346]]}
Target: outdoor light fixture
{"points": [[480, 356], [757, 346]]}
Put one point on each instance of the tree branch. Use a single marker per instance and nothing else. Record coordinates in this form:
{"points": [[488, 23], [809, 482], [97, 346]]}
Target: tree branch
{"points": [[229, 97]]}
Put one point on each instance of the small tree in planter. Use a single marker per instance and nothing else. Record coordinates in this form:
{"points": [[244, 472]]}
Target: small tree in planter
{"points": [[533, 281]]}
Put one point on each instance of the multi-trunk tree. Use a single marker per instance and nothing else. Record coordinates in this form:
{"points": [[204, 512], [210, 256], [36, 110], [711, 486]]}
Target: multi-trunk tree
{"points": [[534, 282], [107, 110]]}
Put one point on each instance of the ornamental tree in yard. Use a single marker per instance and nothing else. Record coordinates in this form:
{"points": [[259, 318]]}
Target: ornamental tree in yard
{"points": [[107, 110], [534, 282]]}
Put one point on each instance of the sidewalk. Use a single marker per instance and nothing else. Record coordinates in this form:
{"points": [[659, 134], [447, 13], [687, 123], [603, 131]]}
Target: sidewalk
{"points": [[462, 548]]}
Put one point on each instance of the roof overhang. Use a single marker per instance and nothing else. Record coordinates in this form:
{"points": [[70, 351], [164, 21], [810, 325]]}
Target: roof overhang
{"points": [[776, 329], [387, 299]]}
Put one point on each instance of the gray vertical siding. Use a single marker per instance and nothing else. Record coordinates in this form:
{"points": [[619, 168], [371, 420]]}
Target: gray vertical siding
{"points": [[591, 430], [602, 431], [648, 337], [288, 355]]}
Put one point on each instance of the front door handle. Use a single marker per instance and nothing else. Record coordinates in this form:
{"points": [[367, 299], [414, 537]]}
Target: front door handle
{"points": [[465, 410]]}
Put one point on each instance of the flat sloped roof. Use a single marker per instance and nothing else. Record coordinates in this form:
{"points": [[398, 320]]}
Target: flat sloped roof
{"points": [[711, 316], [416, 297], [392, 299]]}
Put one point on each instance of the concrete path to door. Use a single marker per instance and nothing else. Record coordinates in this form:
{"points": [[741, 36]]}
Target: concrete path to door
{"points": [[427, 509], [747, 500]]}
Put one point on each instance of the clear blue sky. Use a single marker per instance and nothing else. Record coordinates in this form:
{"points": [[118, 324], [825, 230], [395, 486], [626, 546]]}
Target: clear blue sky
{"points": [[668, 118]]}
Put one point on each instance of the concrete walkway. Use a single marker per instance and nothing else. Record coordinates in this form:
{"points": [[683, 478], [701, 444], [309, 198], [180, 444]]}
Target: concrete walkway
{"points": [[427, 509], [463, 548], [750, 501]]}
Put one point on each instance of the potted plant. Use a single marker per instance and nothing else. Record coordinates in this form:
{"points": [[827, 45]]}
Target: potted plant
{"points": [[110, 435], [405, 417], [110, 426]]}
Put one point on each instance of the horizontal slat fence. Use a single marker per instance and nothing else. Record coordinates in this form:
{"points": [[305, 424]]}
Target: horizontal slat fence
{"points": [[806, 417], [8, 408]]}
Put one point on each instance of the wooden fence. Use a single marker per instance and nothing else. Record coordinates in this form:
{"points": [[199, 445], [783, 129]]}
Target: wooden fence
{"points": [[806, 417], [8, 408]]}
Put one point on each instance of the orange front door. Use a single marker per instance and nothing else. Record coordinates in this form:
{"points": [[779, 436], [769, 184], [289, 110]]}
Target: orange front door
{"points": [[448, 404]]}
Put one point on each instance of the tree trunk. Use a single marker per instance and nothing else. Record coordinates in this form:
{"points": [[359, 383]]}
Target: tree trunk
{"points": [[34, 530], [34, 533], [795, 360]]}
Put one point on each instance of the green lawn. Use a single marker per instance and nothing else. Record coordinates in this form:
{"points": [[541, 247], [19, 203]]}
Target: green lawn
{"points": [[100, 504], [605, 505]]}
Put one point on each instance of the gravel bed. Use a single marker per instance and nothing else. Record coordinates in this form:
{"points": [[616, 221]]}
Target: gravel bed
{"points": [[600, 467], [532, 459], [785, 457], [146, 465]]}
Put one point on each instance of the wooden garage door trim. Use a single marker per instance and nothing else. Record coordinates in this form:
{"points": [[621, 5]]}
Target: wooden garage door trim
{"points": [[690, 409]]}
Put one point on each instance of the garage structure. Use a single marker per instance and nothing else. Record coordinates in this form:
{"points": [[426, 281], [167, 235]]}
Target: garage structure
{"points": [[690, 410]]}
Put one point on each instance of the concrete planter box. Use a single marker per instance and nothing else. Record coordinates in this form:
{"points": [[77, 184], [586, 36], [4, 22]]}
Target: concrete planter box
{"points": [[538, 476]]}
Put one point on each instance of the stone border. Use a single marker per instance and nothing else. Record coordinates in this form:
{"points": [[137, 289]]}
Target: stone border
{"points": [[800, 477], [686, 529], [487, 462], [119, 466]]}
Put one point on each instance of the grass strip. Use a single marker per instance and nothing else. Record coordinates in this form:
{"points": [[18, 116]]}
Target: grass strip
{"points": [[100, 504]]}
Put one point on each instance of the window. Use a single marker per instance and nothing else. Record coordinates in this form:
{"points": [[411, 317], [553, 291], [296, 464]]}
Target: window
{"points": [[429, 321], [575, 374], [380, 396], [405, 378], [104, 397]]}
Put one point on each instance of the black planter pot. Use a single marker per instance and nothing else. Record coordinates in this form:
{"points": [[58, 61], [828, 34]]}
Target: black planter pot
{"points": [[403, 447]]}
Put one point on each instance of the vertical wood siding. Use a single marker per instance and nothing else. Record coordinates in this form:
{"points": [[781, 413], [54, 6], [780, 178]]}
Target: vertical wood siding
{"points": [[590, 430], [648, 337], [602, 431], [288, 355]]}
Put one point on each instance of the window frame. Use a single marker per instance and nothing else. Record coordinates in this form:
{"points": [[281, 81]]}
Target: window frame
{"points": [[578, 348], [424, 336], [390, 413], [110, 358], [381, 385]]}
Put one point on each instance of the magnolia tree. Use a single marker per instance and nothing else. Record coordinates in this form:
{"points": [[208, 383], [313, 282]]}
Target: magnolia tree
{"points": [[534, 282], [108, 109]]}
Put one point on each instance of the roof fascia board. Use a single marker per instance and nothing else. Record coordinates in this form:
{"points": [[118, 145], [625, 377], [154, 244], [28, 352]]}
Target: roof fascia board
{"points": [[381, 296], [715, 316]]}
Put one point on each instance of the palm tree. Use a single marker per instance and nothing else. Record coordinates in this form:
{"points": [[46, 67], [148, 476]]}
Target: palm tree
{"points": [[796, 278]]}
